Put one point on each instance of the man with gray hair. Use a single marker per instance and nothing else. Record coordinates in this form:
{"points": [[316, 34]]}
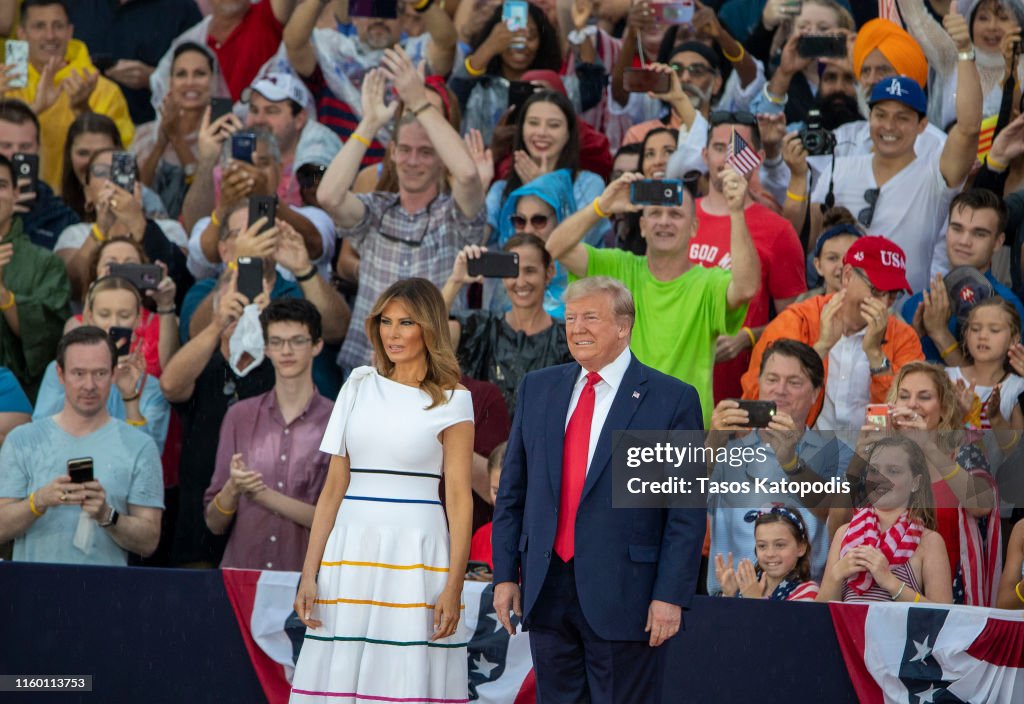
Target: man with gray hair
{"points": [[683, 307], [602, 587]]}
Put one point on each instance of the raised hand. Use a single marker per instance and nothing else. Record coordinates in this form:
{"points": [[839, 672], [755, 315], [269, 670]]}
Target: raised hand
{"points": [[581, 11], [213, 135], [406, 77], [253, 243], [130, 370], [291, 250], [734, 188], [375, 112], [725, 573], [615, 198], [831, 325], [956, 27], [47, 90], [729, 416], [483, 157], [460, 273], [750, 586], [79, 87], [794, 154], [528, 168]]}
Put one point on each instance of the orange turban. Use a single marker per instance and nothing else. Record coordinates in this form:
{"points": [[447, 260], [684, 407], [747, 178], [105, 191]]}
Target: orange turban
{"points": [[902, 51]]}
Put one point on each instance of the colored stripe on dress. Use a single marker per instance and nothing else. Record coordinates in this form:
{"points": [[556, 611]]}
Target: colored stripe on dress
{"points": [[391, 501], [428, 475], [369, 602], [383, 565], [375, 641], [374, 698]]}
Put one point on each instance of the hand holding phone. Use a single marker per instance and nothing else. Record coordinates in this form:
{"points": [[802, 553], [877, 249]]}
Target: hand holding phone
{"points": [[16, 56], [262, 207], [759, 413], [250, 277], [145, 277], [122, 339], [26, 168], [495, 265], [80, 470], [645, 80], [243, 144], [656, 192], [813, 46], [515, 14], [219, 107], [123, 171]]}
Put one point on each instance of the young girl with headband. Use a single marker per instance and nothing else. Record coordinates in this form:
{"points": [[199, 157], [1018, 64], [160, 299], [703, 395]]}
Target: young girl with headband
{"points": [[782, 571]]}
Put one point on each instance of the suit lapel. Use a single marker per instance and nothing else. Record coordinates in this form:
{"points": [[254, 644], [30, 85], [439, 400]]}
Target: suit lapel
{"points": [[558, 399], [627, 399]]}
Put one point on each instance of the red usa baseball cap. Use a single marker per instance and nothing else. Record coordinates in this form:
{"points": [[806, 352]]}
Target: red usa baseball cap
{"points": [[882, 261]]}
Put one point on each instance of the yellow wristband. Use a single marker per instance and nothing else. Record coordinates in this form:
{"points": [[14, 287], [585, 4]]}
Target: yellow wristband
{"points": [[361, 139], [1017, 589], [597, 209], [995, 164], [421, 5], [917, 597], [137, 423], [214, 219], [947, 477], [473, 71], [735, 59], [753, 340], [233, 265], [216, 505], [97, 233], [37, 513], [794, 196], [789, 466], [1014, 437], [949, 349], [10, 302]]}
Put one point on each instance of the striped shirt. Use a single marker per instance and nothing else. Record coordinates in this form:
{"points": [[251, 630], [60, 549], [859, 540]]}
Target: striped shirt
{"points": [[394, 244], [902, 571]]}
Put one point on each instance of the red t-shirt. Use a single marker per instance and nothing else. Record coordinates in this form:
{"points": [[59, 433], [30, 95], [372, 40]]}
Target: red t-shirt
{"points": [[248, 47], [480, 547], [782, 274]]}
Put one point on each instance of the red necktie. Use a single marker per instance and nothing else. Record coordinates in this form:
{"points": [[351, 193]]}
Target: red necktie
{"points": [[575, 452]]}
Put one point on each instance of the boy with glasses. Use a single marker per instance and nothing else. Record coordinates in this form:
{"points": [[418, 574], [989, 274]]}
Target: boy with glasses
{"points": [[861, 344], [895, 191], [269, 470]]}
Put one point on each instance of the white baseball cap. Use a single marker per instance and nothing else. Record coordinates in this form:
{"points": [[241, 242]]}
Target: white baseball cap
{"points": [[277, 87]]}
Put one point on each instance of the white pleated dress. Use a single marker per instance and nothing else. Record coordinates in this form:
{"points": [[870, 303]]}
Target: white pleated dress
{"points": [[386, 561]]}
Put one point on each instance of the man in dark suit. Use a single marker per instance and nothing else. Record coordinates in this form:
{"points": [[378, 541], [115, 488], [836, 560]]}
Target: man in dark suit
{"points": [[602, 587]]}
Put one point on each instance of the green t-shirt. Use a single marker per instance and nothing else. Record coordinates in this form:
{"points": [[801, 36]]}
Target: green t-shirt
{"points": [[677, 321]]}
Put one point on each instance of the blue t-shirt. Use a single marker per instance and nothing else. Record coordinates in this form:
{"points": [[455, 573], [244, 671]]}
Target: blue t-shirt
{"points": [[12, 398], [125, 462], [931, 352]]}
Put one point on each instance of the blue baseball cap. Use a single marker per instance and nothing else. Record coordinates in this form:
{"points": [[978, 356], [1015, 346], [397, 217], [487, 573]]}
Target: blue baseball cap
{"points": [[902, 89]]}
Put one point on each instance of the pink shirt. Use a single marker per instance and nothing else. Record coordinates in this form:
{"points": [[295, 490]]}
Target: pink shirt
{"points": [[289, 458]]}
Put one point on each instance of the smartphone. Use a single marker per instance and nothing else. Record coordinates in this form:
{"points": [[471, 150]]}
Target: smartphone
{"points": [[812, 46], [122, 339], [759, 413], [494, 265], [519, 92], [103, 61], [673, 12], [219, 107], [123, 170], [263, 206], [250, 277], [656, 192], [16, 54], [243, 144], [144, 277], [26, 166], [309, 175], [80, 470], [878, 414], [515, 14], [644, 80], [384, 9]]}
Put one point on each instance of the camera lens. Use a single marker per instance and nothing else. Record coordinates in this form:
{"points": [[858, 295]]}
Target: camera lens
{"points": [[669, 193], [812, 142]]}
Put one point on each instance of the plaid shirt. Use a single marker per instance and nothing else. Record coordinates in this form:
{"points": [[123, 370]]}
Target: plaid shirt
{"points": [[393, 245]]}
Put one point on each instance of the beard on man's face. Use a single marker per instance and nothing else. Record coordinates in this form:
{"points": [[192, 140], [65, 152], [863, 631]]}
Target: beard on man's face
{"points": [[838, 109]]}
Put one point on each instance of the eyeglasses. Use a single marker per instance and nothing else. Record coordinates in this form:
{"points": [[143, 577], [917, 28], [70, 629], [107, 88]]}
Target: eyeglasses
{"points": [[299, 342], [875, 293], [537, 222], [865, 216], [725, 117], [695, 70], [100, 171], [394, 237]]}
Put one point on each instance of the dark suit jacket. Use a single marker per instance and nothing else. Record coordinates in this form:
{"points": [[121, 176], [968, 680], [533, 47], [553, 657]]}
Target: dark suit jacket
{"points": [[624, 558]]}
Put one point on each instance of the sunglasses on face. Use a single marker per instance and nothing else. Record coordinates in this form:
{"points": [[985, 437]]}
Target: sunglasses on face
{"points": [[537, 222]]}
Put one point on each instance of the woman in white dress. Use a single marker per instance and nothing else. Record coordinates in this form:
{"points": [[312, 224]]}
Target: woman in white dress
{"points": [[381, 587]]}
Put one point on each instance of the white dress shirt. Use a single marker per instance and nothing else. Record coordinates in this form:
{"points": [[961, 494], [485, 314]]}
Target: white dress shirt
{"points": [[848, 386], [604, 394]]}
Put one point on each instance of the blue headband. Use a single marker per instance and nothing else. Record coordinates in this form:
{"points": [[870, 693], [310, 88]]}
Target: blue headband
{"points": [[786, 513]]}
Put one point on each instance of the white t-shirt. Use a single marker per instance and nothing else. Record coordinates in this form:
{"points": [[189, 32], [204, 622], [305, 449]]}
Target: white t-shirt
{"points": [[910, 210], [202, 268], [847, 386], [1010, 389], [74, 236]]}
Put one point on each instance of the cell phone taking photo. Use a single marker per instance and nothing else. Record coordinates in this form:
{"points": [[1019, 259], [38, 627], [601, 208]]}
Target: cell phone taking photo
{"points": [[145, 277], [123, 170], [250, 277], [646, 80], [243, 144], [656, 192], [494, 265], [263, 207], [80, 470], [122, 339], [759, 413], [26, 167]]}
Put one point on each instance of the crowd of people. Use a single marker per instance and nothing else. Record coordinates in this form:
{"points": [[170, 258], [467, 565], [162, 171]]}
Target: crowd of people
{"points": [[219, 215]]}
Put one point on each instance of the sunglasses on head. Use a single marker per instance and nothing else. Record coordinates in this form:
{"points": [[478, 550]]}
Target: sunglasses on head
{"points": [[538, 222], [726, 117]]}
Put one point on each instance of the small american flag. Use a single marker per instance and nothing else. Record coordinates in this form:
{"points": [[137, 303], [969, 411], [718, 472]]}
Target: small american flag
{"points": [[740, 156]]}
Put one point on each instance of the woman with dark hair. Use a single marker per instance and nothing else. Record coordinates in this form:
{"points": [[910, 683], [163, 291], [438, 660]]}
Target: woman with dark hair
{"points": [[501, 347], [657, 146], [547, 139], [167, 148], [499, 56], [88, 134], [380, 538]]}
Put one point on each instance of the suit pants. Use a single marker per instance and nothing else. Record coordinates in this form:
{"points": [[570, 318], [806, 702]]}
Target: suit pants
{"points": [[573, 664]]}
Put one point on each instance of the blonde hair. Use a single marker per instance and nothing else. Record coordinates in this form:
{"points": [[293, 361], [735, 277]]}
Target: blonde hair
{"points": [[1012, 317], [951, 422], [111, 283], [921, 503], [426, 307]]}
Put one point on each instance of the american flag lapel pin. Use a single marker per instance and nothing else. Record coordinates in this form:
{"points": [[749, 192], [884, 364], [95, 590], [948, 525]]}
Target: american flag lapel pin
{"points": [[636, 394]]}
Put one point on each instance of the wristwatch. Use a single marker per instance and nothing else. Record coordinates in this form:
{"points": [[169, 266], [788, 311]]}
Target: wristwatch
{"points": [[577, 36], [111, 518], [966, 55], [886, 367]]}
